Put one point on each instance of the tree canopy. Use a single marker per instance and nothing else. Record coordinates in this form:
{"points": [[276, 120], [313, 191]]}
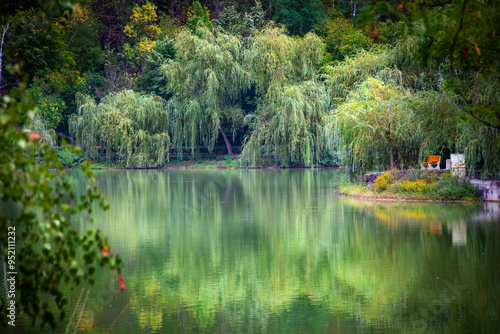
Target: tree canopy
{"points": [[375, 120], [207, 80], [290, 113], [263, 77], [299, 16], [462, 32], [128, 124]]}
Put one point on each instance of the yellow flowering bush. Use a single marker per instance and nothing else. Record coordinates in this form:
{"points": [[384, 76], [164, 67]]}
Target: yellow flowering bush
{"points": [[382, 182], [417, 186], [50, 107]]}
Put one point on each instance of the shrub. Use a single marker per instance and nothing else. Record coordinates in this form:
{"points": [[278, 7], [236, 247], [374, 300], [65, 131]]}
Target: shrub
{"points": [[425, 185], [427, 175], [329, 158], [69, 159], [382, 182], [51, 106], [417, 186], [453, 188]]}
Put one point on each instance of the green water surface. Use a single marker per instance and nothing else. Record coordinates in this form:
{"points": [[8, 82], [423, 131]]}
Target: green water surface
{"points": [[280, 251]]}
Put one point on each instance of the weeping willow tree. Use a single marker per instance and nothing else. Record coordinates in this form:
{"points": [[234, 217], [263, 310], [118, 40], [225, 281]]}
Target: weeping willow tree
{"points": [[128, 124], [436, 114], [478, 119], [448, 118], [481, 146], [374, 122], [395, 65], [450, 106], [440, 116], [290, 116], [207, 80]]}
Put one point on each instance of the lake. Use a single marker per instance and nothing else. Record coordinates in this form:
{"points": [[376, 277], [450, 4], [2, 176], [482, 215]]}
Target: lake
{"points": [[280, 251]]}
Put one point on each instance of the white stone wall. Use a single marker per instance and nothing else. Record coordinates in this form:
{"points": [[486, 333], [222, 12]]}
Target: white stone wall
{"points": [[490, 190]]}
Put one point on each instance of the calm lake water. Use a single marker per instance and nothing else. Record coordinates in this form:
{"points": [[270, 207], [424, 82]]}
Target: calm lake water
{"points": [[280, 251]]}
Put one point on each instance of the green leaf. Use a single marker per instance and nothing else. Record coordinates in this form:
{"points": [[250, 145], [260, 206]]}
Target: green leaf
{"points": [[4, 118]]}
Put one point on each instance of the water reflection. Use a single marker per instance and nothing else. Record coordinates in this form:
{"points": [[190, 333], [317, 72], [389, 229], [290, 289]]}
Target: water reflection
{"points": [[487, 213], [279, 251], [458, 232]]}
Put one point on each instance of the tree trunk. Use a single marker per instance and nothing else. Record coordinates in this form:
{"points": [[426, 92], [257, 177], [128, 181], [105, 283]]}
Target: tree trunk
{"points": [[216, 4], [197, 154], [390, 150], [4, 28], [226, 140], [353, 10]]}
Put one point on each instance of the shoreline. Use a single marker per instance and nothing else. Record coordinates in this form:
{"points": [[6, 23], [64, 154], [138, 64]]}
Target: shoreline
{"points": [[413, 186], [208, 167], [388, 199]]}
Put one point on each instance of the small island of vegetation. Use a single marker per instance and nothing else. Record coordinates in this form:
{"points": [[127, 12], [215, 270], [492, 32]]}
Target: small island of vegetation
{"points": [[420, 185]]}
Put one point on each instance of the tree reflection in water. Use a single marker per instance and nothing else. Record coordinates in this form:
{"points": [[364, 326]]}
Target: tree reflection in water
{"points": [[280, 251]]}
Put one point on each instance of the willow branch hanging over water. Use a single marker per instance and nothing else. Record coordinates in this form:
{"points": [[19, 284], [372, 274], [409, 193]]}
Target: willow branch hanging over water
{"points": [[438, 97], [207, 80], [130, 125], [291, 126], [375, 120], [291, 112]]}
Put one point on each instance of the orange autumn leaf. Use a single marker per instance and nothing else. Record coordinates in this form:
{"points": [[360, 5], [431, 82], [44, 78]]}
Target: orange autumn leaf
{"points": [[104, 251], [33, 136], [121, 281]]}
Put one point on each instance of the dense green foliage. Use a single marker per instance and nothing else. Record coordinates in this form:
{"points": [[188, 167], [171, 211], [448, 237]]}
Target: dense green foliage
{"points": [[342, 39], [37, 205], [242, 23], [200, 18], [151, 79], [290, 114], [375, 115], [299, 16], [43, 253], [207, 80], [282, 79], [465, 34], [127, 124], [435, 103]]}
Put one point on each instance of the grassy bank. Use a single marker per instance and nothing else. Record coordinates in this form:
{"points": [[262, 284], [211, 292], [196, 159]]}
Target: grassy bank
{"points": [[415, 185], [215, 161], [73, 161]]}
